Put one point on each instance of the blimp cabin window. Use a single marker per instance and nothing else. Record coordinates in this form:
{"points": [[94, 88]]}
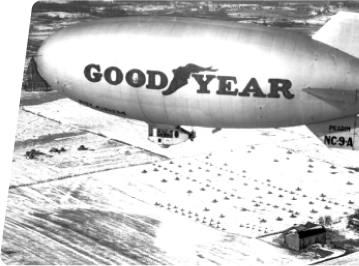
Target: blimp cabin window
{"points": [[150, 131], [164, 133]]}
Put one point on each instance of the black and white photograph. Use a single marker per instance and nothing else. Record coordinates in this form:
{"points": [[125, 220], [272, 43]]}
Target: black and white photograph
{"points": [[182, 132]]}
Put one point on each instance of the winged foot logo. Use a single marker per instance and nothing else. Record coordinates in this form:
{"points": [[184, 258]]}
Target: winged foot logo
{"points": [[181, 76]]}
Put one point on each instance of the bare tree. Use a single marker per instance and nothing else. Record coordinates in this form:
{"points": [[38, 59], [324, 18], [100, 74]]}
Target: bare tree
{"points": [[328, 220]]}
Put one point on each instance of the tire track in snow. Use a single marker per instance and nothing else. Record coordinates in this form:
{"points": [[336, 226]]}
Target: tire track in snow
{"points": [[67, 246]]}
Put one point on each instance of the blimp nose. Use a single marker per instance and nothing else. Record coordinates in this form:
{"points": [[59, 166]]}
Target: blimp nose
{"points": [[48, 63], [55, 65]]}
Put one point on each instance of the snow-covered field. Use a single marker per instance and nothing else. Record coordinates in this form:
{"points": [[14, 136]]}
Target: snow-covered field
{"points": [[125, 200], [42, 134], [205, 201], [298, 139], [62, 15]]}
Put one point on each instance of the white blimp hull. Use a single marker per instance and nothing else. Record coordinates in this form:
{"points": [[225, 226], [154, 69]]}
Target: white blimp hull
{"points": [[172, 72]]}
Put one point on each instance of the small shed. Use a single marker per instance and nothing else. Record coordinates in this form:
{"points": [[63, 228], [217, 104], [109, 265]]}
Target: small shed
{"points": [[303, 236], [355, 222], [33, 81]]}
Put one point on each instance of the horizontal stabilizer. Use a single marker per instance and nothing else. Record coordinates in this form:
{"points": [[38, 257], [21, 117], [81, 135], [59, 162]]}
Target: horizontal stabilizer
{"points": [[349, 96], [341, 133], [341, 32]]}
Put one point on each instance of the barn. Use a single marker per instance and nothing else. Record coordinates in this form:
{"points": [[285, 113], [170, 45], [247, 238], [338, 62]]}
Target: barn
{"points": [[302, 236], [354, 222], [33, 81]]}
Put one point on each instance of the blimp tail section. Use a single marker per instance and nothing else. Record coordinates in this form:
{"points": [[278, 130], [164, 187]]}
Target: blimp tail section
{"points": [[341, 133], [341, 32]]}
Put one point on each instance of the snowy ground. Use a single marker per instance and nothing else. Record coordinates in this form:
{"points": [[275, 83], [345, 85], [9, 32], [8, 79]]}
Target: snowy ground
{"points": [[205, 201], [297, 139], [127, 201]]}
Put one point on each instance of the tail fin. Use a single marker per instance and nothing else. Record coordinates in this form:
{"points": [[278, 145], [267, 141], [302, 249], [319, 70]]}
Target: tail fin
{"points": [[341, 133], [341, 32]]}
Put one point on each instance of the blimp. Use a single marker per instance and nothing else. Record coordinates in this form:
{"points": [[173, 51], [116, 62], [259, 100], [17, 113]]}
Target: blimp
{"points": [[177, 73]]}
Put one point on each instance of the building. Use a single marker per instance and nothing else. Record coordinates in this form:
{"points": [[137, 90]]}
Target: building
{"points": [[302, 236], [354, 222]]}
